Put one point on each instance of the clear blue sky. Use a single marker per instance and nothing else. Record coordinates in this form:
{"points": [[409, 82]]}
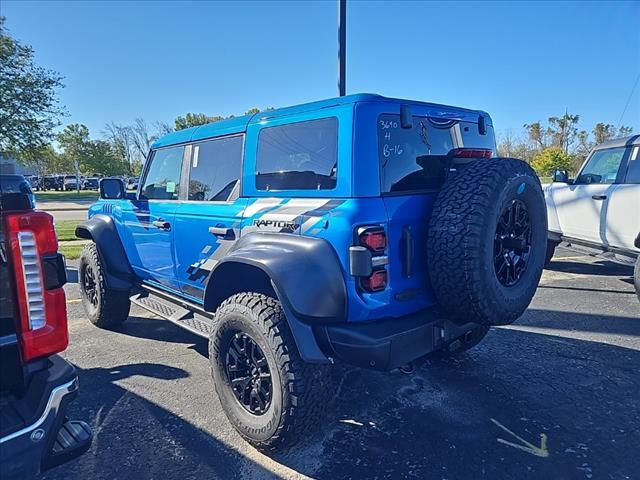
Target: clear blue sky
{"points": [[519, 61]]}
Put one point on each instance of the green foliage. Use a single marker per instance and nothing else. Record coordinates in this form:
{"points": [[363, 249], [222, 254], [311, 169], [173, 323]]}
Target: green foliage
{"points": [[100, 156], [561, 133], [71, 251], [29, 109], [66, 230], [195, 119], [551, 159]]}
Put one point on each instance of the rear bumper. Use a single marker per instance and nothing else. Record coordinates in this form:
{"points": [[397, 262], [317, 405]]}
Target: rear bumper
{"points": [[36, 444], [389, 343]]}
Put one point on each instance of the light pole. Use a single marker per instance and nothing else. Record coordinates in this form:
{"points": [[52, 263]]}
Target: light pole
{"points": [[342, 47]]}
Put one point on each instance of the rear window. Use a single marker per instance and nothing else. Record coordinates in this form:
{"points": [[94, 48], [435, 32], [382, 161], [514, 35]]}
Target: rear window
{"points": [[298, 156], [413, 159]]}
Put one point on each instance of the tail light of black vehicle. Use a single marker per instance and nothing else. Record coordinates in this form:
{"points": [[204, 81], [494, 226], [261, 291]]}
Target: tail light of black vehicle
{"points": [[39, 274], [368, 260]]}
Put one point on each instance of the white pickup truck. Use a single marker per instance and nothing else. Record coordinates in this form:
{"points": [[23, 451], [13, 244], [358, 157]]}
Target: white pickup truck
{"points": [[600, 209]]}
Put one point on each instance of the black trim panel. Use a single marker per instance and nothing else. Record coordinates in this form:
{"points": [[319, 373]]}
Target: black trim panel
{"points": [[102, 230]]}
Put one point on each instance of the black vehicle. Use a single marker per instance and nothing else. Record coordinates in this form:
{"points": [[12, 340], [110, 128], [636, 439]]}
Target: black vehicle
{"points": [[53, 182], [36, 385], [90, 183]]}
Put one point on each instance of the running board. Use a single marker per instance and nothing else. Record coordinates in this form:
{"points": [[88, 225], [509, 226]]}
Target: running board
{"points": [[174, 312]]}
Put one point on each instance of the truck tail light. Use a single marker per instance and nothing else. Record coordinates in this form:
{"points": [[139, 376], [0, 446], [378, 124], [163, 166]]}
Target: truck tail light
{"points": [[42, 311], [471, 153], [375, 239], [367, 259], [376, 282]]}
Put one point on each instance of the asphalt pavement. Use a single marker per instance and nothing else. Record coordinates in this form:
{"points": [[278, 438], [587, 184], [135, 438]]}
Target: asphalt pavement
{"points": [[554, 396]]}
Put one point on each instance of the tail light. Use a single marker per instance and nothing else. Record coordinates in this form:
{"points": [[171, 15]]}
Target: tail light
{"points": [[471, 153], [374, 239], [376, 282], [41, 299], [368, 259]]}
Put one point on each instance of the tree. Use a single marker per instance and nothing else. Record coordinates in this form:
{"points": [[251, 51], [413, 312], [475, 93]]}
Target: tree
{"points": [[563, 130], [120, 138], [195, 119], [537, 134], [29, 107], [43, 159], [551, 159], [75, 144]]}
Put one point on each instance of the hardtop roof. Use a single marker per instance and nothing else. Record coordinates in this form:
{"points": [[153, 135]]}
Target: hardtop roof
{"points": [[619, 142], [239, 124]]}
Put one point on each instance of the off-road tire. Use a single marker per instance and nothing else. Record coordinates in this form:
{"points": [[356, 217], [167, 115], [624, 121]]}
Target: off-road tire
{"points": [[551, 250], [462, 232], [636, 277], [110, 307], [300, 392]]}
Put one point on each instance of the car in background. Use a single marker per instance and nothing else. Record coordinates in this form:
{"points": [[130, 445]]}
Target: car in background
{"points": [[90, 183], [52, 182], [599, 210], [36, 384], [34, 181], [132, 183], [71, 182]]}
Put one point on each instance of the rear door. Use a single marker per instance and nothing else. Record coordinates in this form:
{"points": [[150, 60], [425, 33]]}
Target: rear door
{"points": [[411, 173], [148, 222], [623, 213], [583, 207], [207, 224]]}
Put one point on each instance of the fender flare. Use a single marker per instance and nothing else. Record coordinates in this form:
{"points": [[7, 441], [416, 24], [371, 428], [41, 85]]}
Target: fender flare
{"points": [[305, 274], [101, 229]]}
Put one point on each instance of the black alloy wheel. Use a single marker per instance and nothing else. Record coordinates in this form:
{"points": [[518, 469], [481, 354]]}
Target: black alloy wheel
{"points": [[512, 244], [89, 285], [249, 374]]}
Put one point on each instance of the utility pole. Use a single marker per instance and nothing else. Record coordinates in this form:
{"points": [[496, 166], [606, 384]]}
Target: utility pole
{"points": [[342, 47]]}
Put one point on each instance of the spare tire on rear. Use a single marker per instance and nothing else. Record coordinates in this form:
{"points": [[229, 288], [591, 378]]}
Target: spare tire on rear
{"points": [[487, 241]]}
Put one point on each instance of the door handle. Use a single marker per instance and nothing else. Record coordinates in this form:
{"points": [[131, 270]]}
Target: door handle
{"points": [[223, 232], [162, 224], [599, 197]]}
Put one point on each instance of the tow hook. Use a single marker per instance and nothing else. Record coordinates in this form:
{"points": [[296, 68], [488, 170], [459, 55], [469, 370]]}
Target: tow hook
{"points": [[408, 368]]}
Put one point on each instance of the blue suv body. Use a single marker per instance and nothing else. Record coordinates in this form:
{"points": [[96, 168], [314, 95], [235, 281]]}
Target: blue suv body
{"points": [[326, 208]]}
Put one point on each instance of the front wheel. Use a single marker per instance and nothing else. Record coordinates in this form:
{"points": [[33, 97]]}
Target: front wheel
{"points": [[270, 396], [105, 307]]}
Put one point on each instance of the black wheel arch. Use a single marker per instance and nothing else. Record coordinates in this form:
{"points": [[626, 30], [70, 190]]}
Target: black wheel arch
{"points": [[101, 229], [303, 273]]}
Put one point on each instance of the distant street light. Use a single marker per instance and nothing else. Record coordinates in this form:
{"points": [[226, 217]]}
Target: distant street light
{"points": [[342, 47]]}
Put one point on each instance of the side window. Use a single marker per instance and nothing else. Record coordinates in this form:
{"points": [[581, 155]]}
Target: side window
{"points": [[298, 156], [215, 169], [162, 180], [602, 167], [633, 172]]}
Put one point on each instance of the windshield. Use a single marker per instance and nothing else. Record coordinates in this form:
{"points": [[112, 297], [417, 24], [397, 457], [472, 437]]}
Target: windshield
{"points": [[413, 159]]}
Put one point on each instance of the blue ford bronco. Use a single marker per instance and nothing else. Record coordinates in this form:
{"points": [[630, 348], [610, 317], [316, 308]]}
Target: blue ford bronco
{"points": [[362, 229]]}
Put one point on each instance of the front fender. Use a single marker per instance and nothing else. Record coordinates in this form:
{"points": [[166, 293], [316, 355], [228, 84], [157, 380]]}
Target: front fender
{"points": [[101, 229], [305, 272]]}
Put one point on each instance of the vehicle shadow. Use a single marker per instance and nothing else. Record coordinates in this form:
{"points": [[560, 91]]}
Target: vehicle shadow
{"points": [[599, 267], [137, 439], [155, 328], [443, 421]]}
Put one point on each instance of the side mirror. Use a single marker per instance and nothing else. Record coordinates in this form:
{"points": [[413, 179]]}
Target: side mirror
{"points": [[560, 176], [112, 189]]}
